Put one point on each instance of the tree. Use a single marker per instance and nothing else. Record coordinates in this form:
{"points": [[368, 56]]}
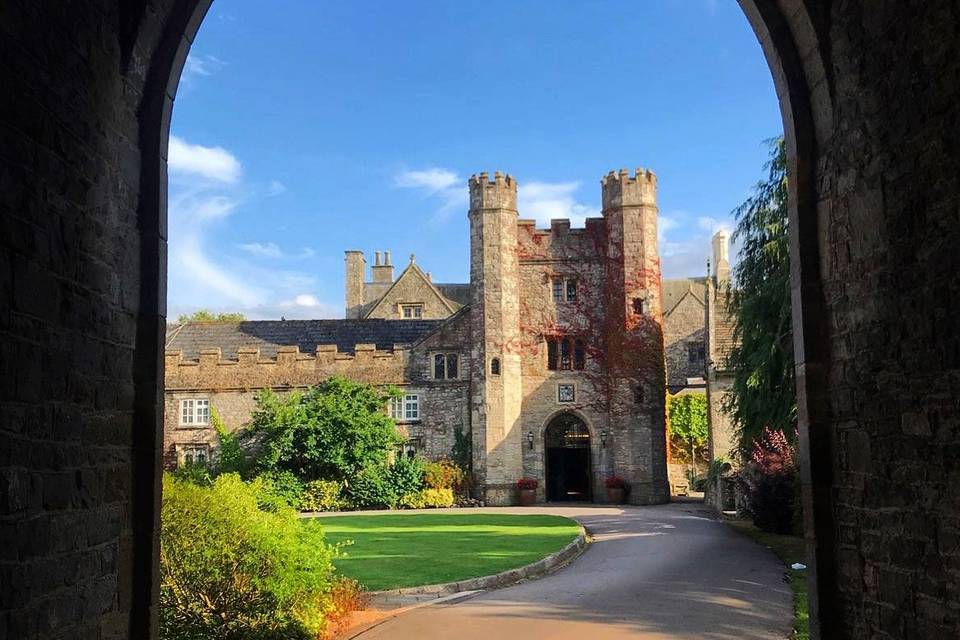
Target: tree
{"points": [[688, 424], [329, 432], [764, 391], [204, 315]]}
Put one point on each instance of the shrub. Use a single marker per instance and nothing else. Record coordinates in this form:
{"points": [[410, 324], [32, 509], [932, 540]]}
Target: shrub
{"points": [[406, 476], [769, 483], [229, 570], [615, 482], [195, 472], [527, 483], [322, 495], [371, 489], [331, 431], [283, 486], [444, 474], [428, 499]]}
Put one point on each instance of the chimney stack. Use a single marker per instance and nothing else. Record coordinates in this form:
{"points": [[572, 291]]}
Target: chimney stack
{"points": [[721, 259], [383, 269]]}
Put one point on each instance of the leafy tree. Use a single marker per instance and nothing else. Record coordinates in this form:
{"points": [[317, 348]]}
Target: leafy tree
{"points": [[764, 392], [331, 431], [205, 315], [687, 414]]}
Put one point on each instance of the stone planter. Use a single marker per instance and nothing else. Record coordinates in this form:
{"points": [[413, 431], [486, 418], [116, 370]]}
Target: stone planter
{"points": [[527, 497], [615, 495]]}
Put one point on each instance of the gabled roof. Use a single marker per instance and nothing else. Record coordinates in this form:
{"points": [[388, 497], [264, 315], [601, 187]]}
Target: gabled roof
{"points": [[674, 291], [270, 335], [456, 292], [413, 271]]}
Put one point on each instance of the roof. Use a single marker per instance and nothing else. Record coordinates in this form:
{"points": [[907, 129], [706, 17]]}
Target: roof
{"points": [[412, 271], [456, 292], [269, 335], [676, 290]]}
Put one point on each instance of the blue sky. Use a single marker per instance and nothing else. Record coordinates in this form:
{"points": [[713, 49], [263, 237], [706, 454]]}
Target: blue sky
{"points": [[304, 128]]}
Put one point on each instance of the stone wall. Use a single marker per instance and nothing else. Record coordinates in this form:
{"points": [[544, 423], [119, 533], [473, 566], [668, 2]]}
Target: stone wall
{"points": [[412, 287], [231, 385], [683, 328]]}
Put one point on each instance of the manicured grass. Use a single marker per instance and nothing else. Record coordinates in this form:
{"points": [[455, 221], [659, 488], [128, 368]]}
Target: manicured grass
{"points": [[789, 549], [404, 550]]}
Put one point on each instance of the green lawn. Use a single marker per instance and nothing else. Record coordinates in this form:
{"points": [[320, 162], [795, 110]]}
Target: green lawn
{"points": [[405, 550], [789, 549]]}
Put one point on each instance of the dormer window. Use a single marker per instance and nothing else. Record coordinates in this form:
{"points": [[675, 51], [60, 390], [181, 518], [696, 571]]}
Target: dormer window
{"points": [[564, 289], [411, 311], [446, 366]]}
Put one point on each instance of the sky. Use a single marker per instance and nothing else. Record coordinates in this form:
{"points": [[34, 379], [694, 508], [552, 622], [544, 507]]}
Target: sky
{"points": [[304, 128]]}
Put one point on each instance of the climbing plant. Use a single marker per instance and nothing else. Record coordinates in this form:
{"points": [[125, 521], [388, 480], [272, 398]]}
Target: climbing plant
{"points": [[687, 414]]}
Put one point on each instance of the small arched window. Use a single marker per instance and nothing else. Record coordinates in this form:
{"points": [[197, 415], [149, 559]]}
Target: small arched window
{"points": [[495, 367]]}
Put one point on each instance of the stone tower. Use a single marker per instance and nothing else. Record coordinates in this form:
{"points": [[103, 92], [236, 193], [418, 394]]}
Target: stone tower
{"points": [[496, 399], [356, 266], [634, 333]]}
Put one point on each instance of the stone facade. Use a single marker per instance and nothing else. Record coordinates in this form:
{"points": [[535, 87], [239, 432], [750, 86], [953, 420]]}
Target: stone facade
{"points": [[720, 340], [597, 290]]}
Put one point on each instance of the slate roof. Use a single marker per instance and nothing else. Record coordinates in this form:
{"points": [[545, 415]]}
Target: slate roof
{"points": [[269, 335], [456, 292], [675, 290]]}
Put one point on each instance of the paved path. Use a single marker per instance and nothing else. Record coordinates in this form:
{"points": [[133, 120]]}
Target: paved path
{"points": [[660, 572]]}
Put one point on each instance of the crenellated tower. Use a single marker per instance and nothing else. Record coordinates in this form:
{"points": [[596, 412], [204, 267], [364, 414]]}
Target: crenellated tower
{"points": [[496, 390], [634, 332]]}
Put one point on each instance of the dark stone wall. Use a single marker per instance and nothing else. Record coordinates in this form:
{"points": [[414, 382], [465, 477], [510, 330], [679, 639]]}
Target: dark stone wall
{"points": [[869, 95], [890, 229], [77, 514]]}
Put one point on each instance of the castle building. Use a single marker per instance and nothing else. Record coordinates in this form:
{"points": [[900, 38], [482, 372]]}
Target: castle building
{"points": [[551, 359]]}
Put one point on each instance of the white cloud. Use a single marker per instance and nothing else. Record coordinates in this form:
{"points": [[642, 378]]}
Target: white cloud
{"points": [[443, 184], [543, 201], [262, 249], [196, 66], [712, 225], [685, 242], [205, 273], [194, 160], [276, 188], [272, 250], [432, 180]]}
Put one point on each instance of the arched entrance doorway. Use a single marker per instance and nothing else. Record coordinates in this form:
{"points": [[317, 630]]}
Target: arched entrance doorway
{"points": [[567, 445]]}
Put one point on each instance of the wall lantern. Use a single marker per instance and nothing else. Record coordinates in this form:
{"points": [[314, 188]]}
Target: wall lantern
{"points": [[530, 438], [603, 437]]}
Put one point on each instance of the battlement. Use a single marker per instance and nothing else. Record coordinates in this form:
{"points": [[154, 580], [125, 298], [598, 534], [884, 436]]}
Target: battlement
{"points": [[290, 367], [499, 193], [623, 190]]}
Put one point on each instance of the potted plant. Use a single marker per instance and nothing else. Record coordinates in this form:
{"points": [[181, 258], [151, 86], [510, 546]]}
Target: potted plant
{"points": [[527, 489], [616, 489]]}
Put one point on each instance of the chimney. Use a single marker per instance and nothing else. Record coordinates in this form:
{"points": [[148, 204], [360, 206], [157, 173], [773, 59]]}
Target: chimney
{"points": [[383, 269], [356, 266], [721, 258]]}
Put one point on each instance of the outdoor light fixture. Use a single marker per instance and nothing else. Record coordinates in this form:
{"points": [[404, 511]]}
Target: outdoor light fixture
{"points": [[603, 437], [530, 438]]}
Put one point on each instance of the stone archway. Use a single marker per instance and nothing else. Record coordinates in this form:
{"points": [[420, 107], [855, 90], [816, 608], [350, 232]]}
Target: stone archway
{"points": [[874, 185], [567, 459]]}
